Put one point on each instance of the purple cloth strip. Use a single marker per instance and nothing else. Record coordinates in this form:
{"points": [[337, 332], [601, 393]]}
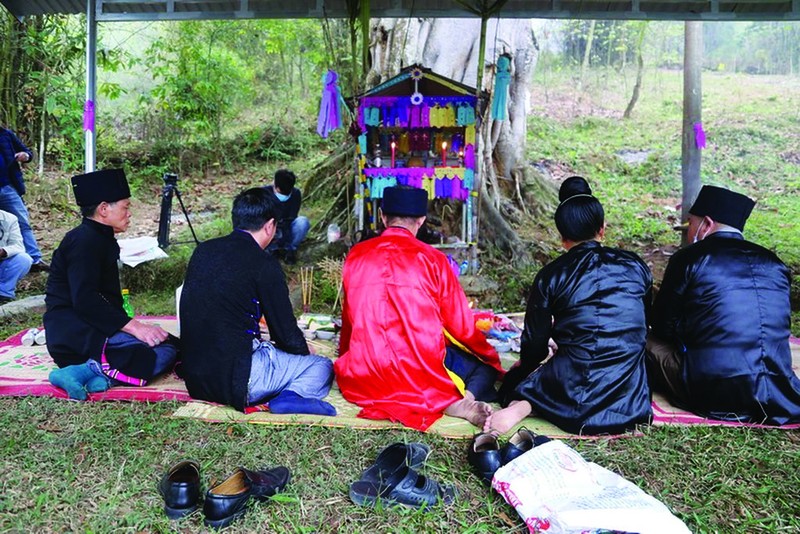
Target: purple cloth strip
{"points": [[329, 117], [88, 116], [329, 114], [699, 135]]}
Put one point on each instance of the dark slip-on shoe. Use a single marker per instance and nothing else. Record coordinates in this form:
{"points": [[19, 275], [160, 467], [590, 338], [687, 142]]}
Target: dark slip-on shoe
{"points": [[521, 442], [267, 482], [484, 456], [180, 488], [227, 500]]}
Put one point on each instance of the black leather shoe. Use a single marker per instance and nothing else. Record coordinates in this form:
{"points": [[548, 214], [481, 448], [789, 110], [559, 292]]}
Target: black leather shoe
{"points": [[180, 488], [521, 442], [267, 482], [484, 456], [393, 458], [228, 500]]}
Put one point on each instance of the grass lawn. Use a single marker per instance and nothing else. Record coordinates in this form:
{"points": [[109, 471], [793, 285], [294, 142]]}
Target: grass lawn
{"points": [[70, 467], [94, 467]]}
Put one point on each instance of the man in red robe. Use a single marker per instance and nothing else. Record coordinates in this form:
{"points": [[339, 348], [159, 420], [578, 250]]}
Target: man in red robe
{"points": [[409, 349]]}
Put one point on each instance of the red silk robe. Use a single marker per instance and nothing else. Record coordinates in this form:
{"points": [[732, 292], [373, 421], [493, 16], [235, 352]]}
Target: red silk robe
{"points": [[402, 304]]}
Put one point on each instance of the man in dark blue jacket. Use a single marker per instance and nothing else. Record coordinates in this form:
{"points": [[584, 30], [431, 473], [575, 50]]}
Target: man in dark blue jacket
{"points": [[719, 344], [12, 188], [292, 228]]}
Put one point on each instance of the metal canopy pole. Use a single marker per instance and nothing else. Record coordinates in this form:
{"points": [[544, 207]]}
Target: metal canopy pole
{"points": [[90, 141]]}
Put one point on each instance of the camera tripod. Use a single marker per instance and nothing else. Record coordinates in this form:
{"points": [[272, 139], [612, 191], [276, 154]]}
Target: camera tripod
{"points": [[169, 190]]}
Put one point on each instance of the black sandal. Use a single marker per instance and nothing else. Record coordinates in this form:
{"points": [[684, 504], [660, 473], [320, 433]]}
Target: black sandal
{"points": [[413, 455], [404, 487], [391, 480]]}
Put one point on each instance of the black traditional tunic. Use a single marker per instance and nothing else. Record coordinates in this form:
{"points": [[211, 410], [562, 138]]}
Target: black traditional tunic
{"points": [[230, 283], [593, 302], [84, 302], [725, 304]]}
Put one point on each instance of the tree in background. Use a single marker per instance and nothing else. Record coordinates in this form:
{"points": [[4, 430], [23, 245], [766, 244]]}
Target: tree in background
{"points": [[42, 77], [507, 187]]}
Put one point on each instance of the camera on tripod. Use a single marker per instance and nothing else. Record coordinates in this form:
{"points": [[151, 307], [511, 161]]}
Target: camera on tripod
{"points": [[170, 188]]}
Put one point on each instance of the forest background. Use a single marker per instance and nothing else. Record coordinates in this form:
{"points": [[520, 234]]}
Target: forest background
{"points": [[224, 104]]}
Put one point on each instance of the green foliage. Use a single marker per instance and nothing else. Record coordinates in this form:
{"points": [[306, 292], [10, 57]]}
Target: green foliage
{"points": [[772, 47], [199, 80]]}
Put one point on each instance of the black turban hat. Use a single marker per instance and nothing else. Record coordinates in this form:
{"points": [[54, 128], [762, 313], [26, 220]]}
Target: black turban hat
{"points": [[100, 186], [405, 201], [723, 206]]}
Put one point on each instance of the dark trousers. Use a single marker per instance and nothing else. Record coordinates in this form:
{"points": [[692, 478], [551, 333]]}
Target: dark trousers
{"points": [[665, 370], [478, 377]]}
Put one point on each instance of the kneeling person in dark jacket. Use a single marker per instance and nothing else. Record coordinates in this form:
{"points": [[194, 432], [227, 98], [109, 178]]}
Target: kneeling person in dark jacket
{"points": [[719, 344], [592, 301], [230, 285], [89, 335]]}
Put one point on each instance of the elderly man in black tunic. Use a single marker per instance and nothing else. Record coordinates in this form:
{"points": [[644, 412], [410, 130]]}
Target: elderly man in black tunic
{"points": [[719, 344], [89, 335]]}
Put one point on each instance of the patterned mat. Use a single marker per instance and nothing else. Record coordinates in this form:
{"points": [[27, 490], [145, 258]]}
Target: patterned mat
{"points": [[665, 413], [24, 370]]}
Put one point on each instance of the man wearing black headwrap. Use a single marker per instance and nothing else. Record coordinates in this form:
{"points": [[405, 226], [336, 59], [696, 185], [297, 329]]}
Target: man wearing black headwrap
{"points": [[719, 344], [89, 335], [592, 302]]}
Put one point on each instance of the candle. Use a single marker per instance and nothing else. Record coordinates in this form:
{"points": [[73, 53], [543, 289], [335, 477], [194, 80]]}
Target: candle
{"points": [[394, 147], [444, 153]]}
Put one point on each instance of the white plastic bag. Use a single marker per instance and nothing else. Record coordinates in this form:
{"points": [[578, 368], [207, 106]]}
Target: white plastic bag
{"points": [[555, 490]]}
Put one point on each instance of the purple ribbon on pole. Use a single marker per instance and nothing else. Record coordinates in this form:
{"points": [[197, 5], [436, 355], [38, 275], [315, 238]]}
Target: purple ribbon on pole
{"points": [[329, 114], [88, 116], [699, 135]]}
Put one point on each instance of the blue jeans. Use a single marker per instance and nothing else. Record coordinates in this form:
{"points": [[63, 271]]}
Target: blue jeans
{"points": [[11, 270], [291, 239], [273, 371], [11, 202]]}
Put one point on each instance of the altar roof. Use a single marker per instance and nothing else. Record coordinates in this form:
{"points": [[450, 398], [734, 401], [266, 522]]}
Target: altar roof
{"points": [[429, 83], [149, 10]]}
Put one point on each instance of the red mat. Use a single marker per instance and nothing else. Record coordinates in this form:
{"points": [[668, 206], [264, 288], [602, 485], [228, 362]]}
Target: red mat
{"points": [[24, 371]]}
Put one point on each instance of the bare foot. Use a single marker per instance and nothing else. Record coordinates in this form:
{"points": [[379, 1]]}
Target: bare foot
{"points": [[470, 409], [504, 420]]}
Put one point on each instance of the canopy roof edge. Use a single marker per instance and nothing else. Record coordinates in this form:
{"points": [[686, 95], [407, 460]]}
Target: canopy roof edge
{"points": [[150, 10]]}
